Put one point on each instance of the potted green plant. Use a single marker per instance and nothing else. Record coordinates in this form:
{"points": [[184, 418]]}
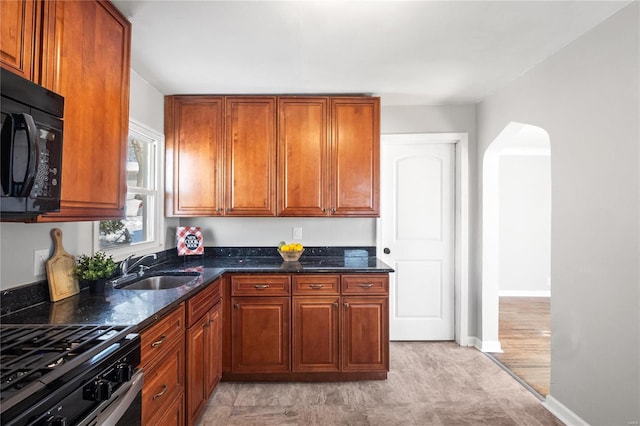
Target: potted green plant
{"points": [[95, 270]]}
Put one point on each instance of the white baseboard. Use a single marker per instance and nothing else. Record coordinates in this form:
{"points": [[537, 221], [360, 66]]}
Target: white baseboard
{"points": [[486, 346], [524, 293], [564, 414]]}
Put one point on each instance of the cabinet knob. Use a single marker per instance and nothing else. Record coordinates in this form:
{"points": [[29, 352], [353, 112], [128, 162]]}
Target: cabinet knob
{"points": [[346, 305], [236, 306], [386, 250], [333, 211], [335, 304]]}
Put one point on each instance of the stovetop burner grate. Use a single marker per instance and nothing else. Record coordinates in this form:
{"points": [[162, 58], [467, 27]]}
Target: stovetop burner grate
{"points": [[29, 352]]}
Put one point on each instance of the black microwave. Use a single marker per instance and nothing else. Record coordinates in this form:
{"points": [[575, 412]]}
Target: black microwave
{"points": [[31, 148]]}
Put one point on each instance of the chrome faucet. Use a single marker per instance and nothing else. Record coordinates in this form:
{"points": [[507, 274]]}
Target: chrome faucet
{"points": [[125, 268]]}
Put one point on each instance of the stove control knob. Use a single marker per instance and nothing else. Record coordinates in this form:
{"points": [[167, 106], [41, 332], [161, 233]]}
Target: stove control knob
{"points": [[55, 421], [98, 390], [122, 372]]}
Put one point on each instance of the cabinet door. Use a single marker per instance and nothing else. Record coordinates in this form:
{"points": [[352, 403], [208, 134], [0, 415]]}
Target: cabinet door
{"points": [[18, 37], [250, 174], [197, 359], [172, 415], [365, 334], [86, 60], [260, 334], [303, 156], [355, 156], [316, 334], [194, 156], [214, 358]]}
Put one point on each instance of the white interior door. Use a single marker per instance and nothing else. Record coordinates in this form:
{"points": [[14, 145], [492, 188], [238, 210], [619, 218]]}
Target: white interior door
{"points": [[417, 227]]}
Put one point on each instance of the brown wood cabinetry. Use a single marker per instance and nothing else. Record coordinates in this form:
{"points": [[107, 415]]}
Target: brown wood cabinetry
{"points": [[303, 156], [355, 156], [81, 50], [250, 145], [204, 350], [327, 151], [86, 60], [163, 361], [321, 174], [334, 335], [20, 37], [194, 155]]}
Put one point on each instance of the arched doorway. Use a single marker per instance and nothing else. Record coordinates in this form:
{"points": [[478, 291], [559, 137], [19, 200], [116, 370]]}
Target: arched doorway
{"points": [[516, 204]]}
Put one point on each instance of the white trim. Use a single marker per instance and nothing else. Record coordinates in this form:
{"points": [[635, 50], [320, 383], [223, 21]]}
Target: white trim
{"points": [[158, 221], [462, 244], [564, 414], [524, 293], [491, 346]]}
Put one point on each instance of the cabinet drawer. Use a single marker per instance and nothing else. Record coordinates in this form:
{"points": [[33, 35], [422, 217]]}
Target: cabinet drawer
{"points": [[163, 382], [365, 284], [316, 284], [260, 285], [155, 340], [202, 302]]}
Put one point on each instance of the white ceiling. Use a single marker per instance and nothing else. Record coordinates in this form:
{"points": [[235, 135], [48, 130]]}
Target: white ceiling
{"points": [[417, 52]]}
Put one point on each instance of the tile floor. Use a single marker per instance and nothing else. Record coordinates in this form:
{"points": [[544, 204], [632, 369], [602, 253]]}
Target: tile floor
{"points": [[430, 383]]}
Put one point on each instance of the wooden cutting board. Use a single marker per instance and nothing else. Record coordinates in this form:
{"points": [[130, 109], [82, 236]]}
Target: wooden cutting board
{"points": [[60, 267]]}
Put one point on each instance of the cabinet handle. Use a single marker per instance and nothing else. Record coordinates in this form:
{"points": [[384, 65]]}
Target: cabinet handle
{"points": [[365, 285], [346, 305], [159, 342], [324, 210], [236, 306], [261, 286], [228, 209], [335, 304], [333, 211], [316, 285], [162, 392]]}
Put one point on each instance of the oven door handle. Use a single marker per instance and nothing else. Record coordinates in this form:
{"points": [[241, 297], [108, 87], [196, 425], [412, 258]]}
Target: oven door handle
{"points": [[111, 415]]}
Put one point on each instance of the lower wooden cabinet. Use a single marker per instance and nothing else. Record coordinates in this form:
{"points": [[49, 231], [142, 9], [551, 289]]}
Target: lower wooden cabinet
{"points": [[204, 349], [336, 327], [260, 334], [163, 360]]}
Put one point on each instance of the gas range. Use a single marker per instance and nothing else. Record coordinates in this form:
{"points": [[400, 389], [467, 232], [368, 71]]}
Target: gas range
{"points": [[67, 374]]}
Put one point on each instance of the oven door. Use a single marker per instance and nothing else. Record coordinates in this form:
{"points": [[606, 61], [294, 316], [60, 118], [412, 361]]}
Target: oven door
{"points": [[124, 408]]}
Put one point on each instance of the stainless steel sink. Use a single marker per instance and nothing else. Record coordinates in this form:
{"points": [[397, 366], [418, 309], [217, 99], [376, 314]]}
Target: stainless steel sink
{"points": [[160, 282]]}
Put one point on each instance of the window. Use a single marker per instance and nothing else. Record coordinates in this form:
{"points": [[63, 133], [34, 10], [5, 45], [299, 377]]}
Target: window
{"points": [[141, 228]]}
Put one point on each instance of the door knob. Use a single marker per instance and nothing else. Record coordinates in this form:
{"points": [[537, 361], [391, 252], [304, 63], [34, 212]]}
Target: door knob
{"points": [[386, 250]]}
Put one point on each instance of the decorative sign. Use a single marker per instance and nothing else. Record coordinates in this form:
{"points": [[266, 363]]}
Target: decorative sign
{"points": [[189, 241]]}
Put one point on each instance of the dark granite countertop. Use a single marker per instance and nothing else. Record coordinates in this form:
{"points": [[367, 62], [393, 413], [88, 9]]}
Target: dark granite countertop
{"points": [[142, 307]]}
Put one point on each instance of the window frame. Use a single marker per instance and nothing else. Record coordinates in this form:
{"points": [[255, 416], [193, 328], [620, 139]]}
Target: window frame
{"points": [[140, 131]]}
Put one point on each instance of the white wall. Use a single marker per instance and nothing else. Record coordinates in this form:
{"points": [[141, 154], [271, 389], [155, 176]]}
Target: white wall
{"points": [[19, 240], [525, 224], [586, 98]]}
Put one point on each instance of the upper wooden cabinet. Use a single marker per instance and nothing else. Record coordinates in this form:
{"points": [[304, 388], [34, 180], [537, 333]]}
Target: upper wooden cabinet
{"points": [[250, 145], [86, 53], [19, 37], [194, 155], [303, 156], [355, 156], [327, 151]]}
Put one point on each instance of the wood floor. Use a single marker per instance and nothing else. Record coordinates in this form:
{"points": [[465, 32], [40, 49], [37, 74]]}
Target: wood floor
{"points": [[525, 335], [430, 383]]}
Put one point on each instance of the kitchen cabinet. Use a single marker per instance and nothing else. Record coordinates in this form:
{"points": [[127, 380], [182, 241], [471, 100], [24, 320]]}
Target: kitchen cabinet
{"points": [[204, 350], [163, 361], [329, 156], [303, 156], [338, 326], [322, 158], [355, 156], [20, 37], [85, 58], [260, 320], [250, 154], [194, 155]]}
